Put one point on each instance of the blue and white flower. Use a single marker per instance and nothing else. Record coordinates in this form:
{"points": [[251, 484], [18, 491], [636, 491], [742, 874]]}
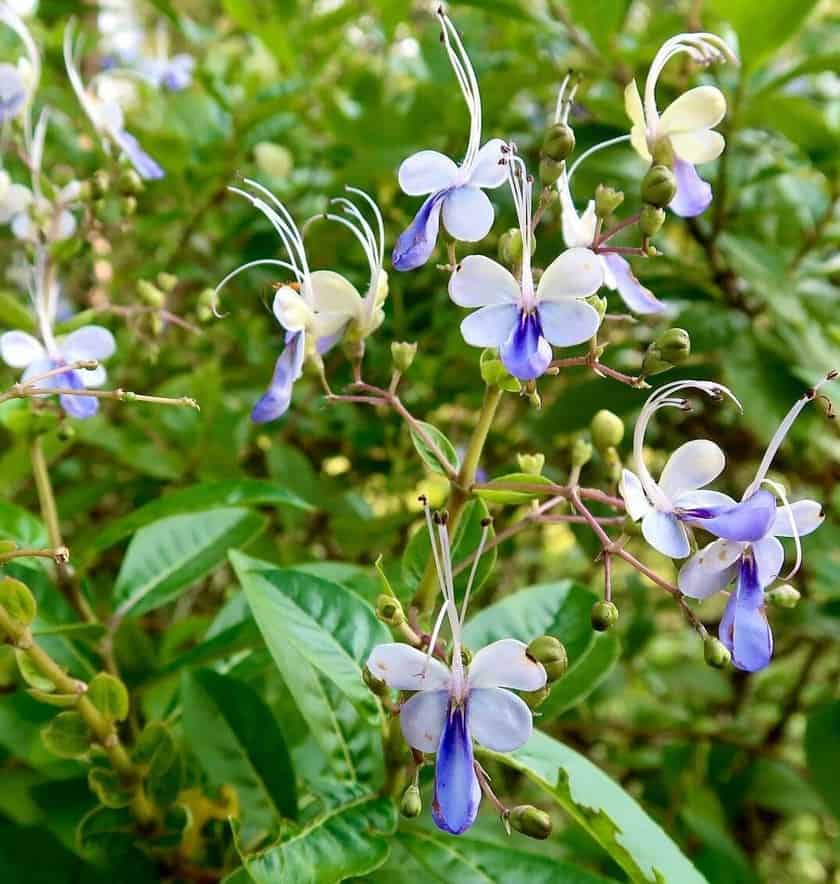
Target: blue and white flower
{"points": [[18, 82], [687, 124], [522, 319], [454, 705], [106, 114], [452, 191], [754, 564], [314, 310]]}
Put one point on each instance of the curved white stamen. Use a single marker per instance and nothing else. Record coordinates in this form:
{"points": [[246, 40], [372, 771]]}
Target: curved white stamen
{"points": [[458, 676], [779, 489], [377, 214], [485, 530], [521, 187], [289, 224], [273, 261], [444, 588], [364, 242], [620, 139], [569, 100], [561, 93]]}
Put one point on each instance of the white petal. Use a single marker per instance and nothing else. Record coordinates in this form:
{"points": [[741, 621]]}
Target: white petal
{"points": [[405, 668], [498, 719], [88, 342], [690, 500], [332, 293], [635, 499], [291, 309], [698, 147], [690, 467], [19, 349], [700, 108], [665, 534], [327, 324], [638, 138], [93, 377], [422, 718], [575, 273], [488, 171], [769, 558], [468, 214], [577, 231], [37, 367], [711, 569], [808, 515], [480, 281], [505, 664], [633, 104], [490, 326], [568, 322], [426, 172]]}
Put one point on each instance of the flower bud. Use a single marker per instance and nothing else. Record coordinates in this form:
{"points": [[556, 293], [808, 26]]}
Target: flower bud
{"points": [[559, 142], [534, 398], [607, 430], [531, 821], [129, 205], [411, 805], [150, 293], [612, 464], [535, 699], [581, 452], [663, 153], [671, 348], [532, 464], [659, 186], [784, 596], [403, 353], [715, 653], [604, 616], [550, 171], [101, 182], [167, 281], [273, 160], [607, 200], [376, 685], [131, 182], [389, 610], [551, 652], [651, 219]]}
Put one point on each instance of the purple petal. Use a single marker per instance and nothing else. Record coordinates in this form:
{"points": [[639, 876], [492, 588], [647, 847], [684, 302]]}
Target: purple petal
{"points": [[417, 241], [275, 401], [178, 73], [744, 628], [457, 792], [693, 194], [526, 354], [145, 166], [638, 298], [81, 407], [749, 520]]}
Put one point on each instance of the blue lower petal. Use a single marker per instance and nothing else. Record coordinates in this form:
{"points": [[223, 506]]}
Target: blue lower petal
{"points": [[417, 241], [76, 406], [275, 401], [744, 628], [694, 195], [143, 164], [457, 792], [526, 354], [749, 520]]}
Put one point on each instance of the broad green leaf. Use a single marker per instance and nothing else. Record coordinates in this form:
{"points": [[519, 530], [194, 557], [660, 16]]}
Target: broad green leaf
{"points": [[447, 449], [637, 843], [240, 743], [21, 526], [584, 675], [822, 737], [13, 313], [166, 557], [319, 635], [348, 842], [509, 494]]}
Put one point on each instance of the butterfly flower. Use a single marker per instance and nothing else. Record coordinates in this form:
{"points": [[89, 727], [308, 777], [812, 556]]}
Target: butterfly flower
{"points": [[520, 318], [18, 82], [686, 125], [454, 705], [453, 192]]}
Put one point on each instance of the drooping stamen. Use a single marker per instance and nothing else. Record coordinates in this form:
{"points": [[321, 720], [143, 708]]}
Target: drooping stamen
{"points": [[610, 142], [444, 588], [521, 187], [454, 623], [485, 530], [291, 228], [273, 261], [780, 491], [561, 98]]}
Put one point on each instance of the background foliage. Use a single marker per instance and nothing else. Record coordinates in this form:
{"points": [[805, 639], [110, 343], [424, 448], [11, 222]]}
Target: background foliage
{"points": [[251, 658]]}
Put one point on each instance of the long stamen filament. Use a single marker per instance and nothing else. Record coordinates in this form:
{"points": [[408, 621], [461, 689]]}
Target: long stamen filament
{"points": [[779, 489], [610, 142], [485, 530]]}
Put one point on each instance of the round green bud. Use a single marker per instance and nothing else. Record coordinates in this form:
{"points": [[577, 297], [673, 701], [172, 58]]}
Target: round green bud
{"points": [[559, 142], [402, 354], [129, 205], [581, 452], [535, 699], [510, 247], [674, 345], [604, 616], [376, 685], [531, 821], [85, 191], [273, 160], [550, 171], [607, 200], [131, 182], [784, 596], [663, 153], [651, 219], [167, 281], [101, 182], [612, 464], [150, 293], [659, 186], [389, 610], [551, 652], [411, 805], [715, 652], [532, 464], [607, 429]]}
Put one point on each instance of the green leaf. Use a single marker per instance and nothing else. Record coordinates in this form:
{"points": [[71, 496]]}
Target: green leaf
{"points": [[445, 446], [160, 760], [13, 314], [67, 735], [344, 843], [585, 674], [106, 784], [601, 18], [637, 843], [813, 64], [20, 525], [31, 674], [168, 556], [822, 736], [110, 696], [506, 495], [319, 635], [241, 745]]}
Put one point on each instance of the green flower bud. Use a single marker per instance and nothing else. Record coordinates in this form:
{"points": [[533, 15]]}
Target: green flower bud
{"points": [[604, 616], [411, 805], [131, 182], [581, 452], [389, 610], [535, 699], [531, 821], [607, 430], [403, 353], [600, 305], [550, 171], [659, 186], [715, 653], [534, 398], [532, 464], [663, 153], [612, 464], [558, 143], [273, 160], [18, 601], [167, 281], [85, 191], [150, 293], [129, 205], [551, 652], [651, 219], [101, 182], [784, 596], [510, 247], [607, 200], [494, 373], [675, 345], [376, 685]]}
